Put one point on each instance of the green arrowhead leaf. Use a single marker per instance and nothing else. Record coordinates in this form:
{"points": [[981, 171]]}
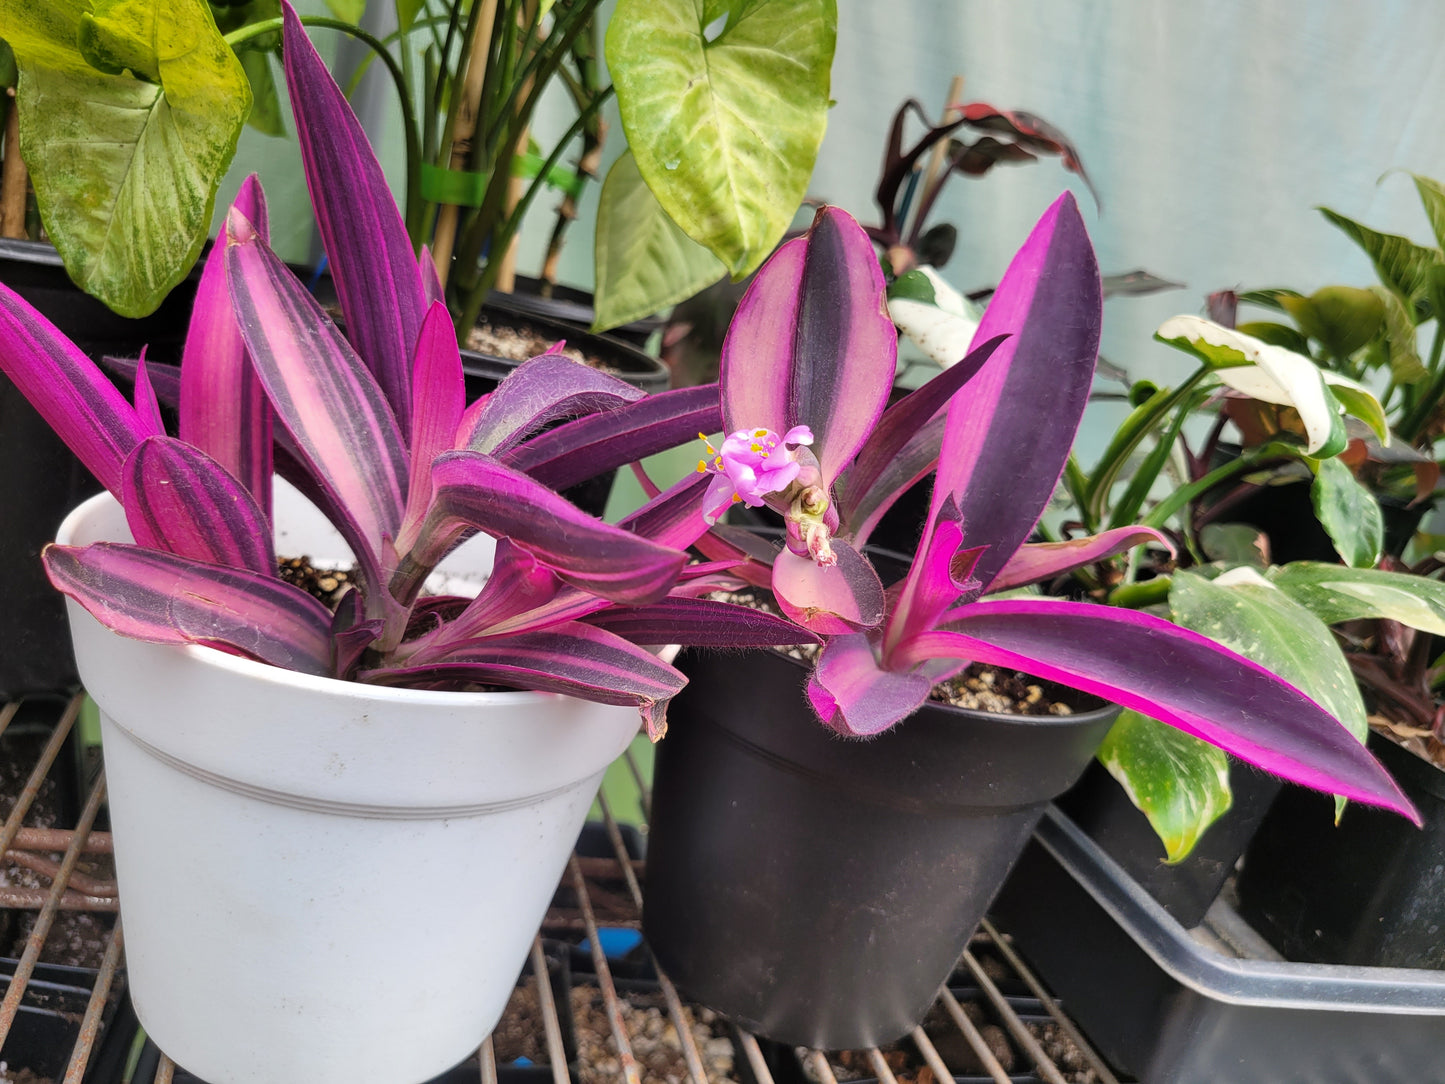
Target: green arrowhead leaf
{"points": [[406, 13], [1401, 264], [1349, 514], [126, 168], [1276, 335], [265, 101], [1180, 783], [1334, 593], [1246, 612], [725, 126], [1432, 196], [1235, 544], [1401, 340], [349, 10], [643, 261], [1340, 318]]}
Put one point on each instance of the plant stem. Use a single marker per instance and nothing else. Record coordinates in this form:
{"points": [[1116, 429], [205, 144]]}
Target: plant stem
{"points": [[1135, 596], [14, 180], [1184, 494], [1424, 406]]}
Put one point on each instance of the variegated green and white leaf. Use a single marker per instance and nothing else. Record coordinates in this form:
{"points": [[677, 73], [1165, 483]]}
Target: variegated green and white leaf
{"points": [[942, 329], [1334, 593]]}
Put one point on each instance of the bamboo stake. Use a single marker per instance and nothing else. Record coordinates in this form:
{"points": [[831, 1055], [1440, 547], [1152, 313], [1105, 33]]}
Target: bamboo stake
{"points": [[446, 231], [935, 157], [506, 280], [13, 178]]}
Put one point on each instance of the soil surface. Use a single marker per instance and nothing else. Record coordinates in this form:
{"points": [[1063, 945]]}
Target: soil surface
{"points": [[325, 584], [515, 342]]}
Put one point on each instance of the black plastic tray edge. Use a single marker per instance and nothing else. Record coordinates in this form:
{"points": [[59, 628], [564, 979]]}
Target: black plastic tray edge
{"points": [[1265, 983]]}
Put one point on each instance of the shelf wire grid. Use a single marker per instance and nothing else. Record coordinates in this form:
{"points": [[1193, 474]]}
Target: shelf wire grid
{"points": [[70, 890]]}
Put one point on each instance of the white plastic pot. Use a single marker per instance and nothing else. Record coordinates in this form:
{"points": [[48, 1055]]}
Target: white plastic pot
{"points": [[322, 880]]}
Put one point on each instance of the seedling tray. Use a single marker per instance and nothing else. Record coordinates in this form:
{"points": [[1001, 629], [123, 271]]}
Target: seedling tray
{"points": [[1166, 1007]]}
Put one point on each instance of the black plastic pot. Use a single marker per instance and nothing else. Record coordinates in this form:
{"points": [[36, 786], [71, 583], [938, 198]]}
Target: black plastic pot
{"points": [[1164, 1006], [816, 890], [47, 1025], [40, 481], [569, 306], [1099, 806], [1370, 891]]}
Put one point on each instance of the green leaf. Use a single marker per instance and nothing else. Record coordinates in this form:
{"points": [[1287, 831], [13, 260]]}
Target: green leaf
{"points": [[349, 10], [265, 100], [1269, 299], [942, 327], [1401, 264], [1340, 318], [1360, 402], [643, 261], [1432, 196], [1402, 346], [406, 13], [1349, 514], [1249, 614], [913, 286], [1334, 593], [1276, 335], [125, 169], [725, 131], [1235, 544], [1180, 783]]}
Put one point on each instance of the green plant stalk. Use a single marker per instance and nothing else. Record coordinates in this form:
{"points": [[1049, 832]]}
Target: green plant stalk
{"points": [[1129, 506], [1420, 411], [1077, 483], [1166, 508], [1136, 596], [408, 113], [477, 291]]}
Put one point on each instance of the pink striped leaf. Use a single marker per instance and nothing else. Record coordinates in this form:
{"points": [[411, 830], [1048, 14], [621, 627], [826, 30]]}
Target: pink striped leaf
{"points": [[223, 407], [372, 260], [829, 599], [853, 695], [147, 408], [570, 658], [1037, 561], [700, 622], [439, 396], [812, 343], [165, 599], [474, 490], [344, 430], [1171, 674], [179, 499], [542, 390], [68, 390]]}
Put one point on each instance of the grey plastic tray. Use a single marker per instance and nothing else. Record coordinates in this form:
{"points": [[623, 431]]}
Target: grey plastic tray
{"points": [[1164, 1006]]}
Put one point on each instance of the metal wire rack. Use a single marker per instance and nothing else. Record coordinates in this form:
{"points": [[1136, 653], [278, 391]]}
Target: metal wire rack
{"points": [[1001, 1012]]}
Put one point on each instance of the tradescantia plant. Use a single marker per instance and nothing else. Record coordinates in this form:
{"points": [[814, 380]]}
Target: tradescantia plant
{"points": [[805, 373], [372, 426]]}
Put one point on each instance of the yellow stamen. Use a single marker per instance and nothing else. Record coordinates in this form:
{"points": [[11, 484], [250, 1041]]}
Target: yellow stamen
{"points": [[760, 432], [702, 466]]}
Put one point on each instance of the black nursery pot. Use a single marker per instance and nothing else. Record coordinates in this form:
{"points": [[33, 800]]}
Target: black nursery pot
{"points": [[1101, 809], [40, 481], [1368, 892], [818, 890]]}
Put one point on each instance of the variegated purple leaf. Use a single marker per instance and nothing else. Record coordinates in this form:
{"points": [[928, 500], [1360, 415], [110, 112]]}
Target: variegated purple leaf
{"points": [[325, 397], [855, 696], [439, 396], [1037, 561], [542, 390], [672, 518], [474, 490], [179, 499], [578, 450], [1024, 406], [519, 583], [372, 260], [147, 409], [67, 389], [829, 599], [938, 581], [1171, 674], [351, 635], [164, 599], [571, 658], [432, 289], [884, 468], [165, 379], [812, 343], [699, 622], [223, 408]]}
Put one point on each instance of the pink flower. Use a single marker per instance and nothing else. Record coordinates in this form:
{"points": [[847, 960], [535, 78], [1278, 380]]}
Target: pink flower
{"points": [[751, 464]]}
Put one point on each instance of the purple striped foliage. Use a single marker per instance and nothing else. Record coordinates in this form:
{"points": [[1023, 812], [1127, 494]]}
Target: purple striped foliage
{"points": [[999, 433]]}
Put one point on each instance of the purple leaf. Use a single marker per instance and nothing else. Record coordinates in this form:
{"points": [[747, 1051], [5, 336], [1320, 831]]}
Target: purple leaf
{"points": [[937, 581], [147, 409], [67, 389], [1009, 435], [475, 490], [578, 450], [571, 658], [812, 343], [372, 260], [853, 695], [699, 622], [829, 599], [542, 390], [343, 429], [519, 583], [179, 499], [431, 284], [1038, 561], [896, 453], [164, 599], [223, 408], [1172, 674], [351, 635], [439, 396], [673, 518]]}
